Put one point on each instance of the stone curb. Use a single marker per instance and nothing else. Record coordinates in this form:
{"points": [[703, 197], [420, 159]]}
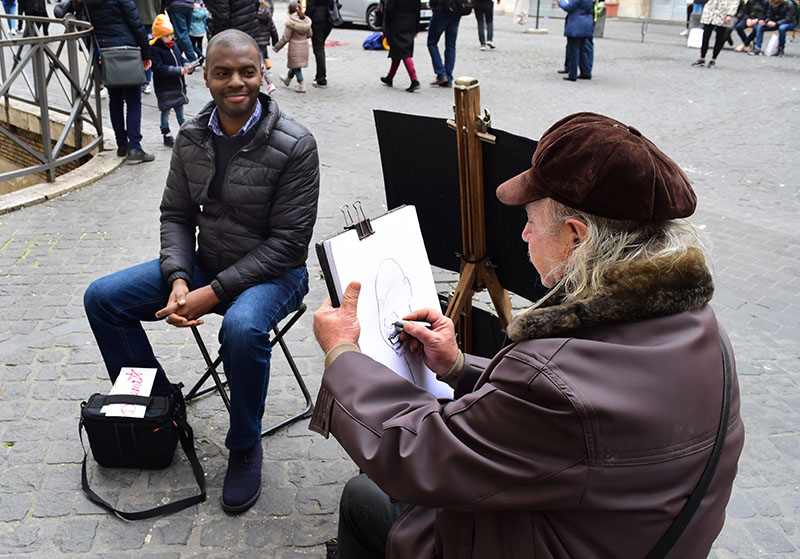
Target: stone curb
{"points": [[101, 164]]}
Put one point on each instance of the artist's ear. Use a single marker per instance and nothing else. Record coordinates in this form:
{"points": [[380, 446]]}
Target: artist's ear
{"points": [[578, 230]]}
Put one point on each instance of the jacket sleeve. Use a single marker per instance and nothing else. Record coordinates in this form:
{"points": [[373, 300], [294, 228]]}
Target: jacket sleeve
{"points": [[568, 6], [287, 35], [273, 32], [788, 15], [220, 11], [495, 447], [178, 223], [134, 23], [291, 218]]}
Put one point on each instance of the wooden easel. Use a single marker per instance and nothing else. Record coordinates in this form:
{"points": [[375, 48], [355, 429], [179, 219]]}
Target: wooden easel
{"points": [[477, 272]]}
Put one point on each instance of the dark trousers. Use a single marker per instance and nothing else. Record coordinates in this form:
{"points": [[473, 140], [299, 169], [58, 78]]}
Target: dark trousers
{"points": [[125, 110], [197, 44], [320, 31], [580, 53], [746, 38], [719, 40], [484, 12], [366, 514]]}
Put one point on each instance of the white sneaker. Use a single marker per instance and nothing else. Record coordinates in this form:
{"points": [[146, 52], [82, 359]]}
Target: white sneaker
{"points": [[483, 47], [684, 32], [103, 93], [147, 88], [271, 87], [490, 44]]}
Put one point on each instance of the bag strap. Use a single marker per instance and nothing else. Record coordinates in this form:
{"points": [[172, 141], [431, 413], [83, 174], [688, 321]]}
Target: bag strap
{"points": [[187, 442], [680, 523]]}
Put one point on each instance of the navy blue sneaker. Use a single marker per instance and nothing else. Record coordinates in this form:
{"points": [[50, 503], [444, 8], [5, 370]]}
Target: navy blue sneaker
{"points": [[242, 480]]}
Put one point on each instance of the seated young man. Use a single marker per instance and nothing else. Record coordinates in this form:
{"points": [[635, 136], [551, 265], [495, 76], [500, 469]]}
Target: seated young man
{"points": [[244, 181], [780, 17]]}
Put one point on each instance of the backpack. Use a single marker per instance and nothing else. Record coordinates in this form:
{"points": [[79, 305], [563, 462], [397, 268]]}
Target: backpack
{"points": [[458, 7], [374, 41]]}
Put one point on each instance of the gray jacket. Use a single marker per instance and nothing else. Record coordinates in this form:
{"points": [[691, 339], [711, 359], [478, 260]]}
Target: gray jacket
{"points": [[261, 225], [584, 438]]}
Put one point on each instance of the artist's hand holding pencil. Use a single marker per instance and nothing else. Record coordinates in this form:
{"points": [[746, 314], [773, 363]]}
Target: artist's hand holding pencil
{"points": [[436, 342], [338, 325]]}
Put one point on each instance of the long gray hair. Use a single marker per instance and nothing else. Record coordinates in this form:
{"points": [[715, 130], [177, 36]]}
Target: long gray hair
{"points": [[610, 243]]}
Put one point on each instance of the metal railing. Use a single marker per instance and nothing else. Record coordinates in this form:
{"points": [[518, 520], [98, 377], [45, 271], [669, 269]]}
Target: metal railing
{"points": [[55, 73]]}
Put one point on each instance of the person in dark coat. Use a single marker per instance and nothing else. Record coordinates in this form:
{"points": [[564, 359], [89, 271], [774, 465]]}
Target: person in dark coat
{"points": [[34, 8], [747, 16], [578, 29], [321, 26], [169, 67], [237, 216], [233, 14], [400, 26], [267, 34], [117, 23], [484, 13]]}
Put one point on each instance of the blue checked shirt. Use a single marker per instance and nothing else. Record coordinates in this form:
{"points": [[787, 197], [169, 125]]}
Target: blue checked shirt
{"points": [[213, 122]]}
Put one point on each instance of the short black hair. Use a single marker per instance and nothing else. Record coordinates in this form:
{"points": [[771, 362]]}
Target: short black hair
{"points": [[231, 38]]}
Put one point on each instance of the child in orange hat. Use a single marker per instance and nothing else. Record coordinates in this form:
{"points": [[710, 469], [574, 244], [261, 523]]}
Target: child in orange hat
{"points": [[169, 67]]}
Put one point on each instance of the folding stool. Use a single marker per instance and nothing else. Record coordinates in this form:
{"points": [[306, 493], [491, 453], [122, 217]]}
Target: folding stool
{"points": [[219, 383]]}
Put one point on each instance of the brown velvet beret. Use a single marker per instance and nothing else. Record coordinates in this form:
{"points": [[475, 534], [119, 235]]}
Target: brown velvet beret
{"points": [[601, 166]]}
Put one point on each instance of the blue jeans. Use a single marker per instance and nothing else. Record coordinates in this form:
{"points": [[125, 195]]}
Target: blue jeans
{"points": [[781, 29], [117, 304], [442, 22], [165, 117], [296, 72], [181, 19], [127, 124], [746, 38], [580, 52], [11, 9]]}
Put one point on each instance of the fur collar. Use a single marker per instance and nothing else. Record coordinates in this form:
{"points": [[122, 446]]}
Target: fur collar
{"points": [[297, 24], [637, 291]]}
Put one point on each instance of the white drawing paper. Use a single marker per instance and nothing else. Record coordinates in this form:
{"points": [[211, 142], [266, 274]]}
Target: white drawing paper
{"points": [[131, 380], [396, 279]]}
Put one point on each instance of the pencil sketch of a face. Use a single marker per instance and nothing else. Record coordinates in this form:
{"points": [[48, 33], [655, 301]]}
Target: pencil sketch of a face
{"points": [[394, 295]]}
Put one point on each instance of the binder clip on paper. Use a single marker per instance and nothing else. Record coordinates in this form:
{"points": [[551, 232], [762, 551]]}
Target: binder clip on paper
{"points": [[363, 227]]}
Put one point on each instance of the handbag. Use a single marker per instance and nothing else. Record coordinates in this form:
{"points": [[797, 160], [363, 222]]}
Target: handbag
{"points": [[146, 443], [122, 66], [335, 14]]}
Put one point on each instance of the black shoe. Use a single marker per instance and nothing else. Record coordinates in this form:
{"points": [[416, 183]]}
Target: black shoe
{"points": [[564, 71], [712, 64], [169, 141], [442, 82], [138, 155], [413, 87], [569, 79], [242, 484], [122, 152], [585, 77], [387, 80], [322, 84], [699, 62]]}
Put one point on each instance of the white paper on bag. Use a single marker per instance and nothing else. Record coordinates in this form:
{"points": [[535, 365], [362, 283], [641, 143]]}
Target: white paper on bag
{"points": [[137, 381]]}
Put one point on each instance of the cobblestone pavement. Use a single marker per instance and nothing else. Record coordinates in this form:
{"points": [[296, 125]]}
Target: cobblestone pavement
{"points": [[733, 129]]}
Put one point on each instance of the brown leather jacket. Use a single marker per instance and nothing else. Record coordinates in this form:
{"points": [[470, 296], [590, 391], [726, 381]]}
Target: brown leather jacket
{"points": [[582, 439]]}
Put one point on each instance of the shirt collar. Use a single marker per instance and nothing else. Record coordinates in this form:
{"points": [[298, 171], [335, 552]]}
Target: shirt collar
{"points": [[213, 122]]}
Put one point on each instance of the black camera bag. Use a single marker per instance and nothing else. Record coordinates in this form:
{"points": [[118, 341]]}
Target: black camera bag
{"points": [[145, 443]]}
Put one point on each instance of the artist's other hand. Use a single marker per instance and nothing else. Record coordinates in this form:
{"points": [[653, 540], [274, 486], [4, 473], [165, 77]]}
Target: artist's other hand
{"points": [[437, 345], [334, 326], [185, 307]]}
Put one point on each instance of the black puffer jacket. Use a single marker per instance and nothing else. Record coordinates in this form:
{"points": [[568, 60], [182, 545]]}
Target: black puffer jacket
{"points": [[261, 225], [117, 23], [167, 77], [267, 33], [234, 14]]}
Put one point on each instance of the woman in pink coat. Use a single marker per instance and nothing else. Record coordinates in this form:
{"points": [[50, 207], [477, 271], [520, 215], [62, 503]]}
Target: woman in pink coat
{"points": [[296, 34]]}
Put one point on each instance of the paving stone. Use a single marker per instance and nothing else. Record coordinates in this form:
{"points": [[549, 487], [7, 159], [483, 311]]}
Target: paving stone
{"points": [[14, 506], [174, 531], [768, 538], [20, 538]]}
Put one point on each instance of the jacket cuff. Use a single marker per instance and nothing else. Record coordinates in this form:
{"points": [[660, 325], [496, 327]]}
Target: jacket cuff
{"points": [[323, 409], [451, 376], [337, 350], [219, 291], [180, 274]]}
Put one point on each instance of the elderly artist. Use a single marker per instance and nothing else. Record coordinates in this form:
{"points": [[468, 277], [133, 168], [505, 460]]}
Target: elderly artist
{"points": [[237, 215], [585, 436]]}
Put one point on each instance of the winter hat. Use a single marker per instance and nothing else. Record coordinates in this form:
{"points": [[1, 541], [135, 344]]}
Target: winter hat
{"points": [[161, 28], [604, 167]]}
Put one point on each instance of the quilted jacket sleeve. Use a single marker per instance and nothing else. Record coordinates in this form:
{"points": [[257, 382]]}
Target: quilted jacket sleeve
{"points": [[178, 224]]}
